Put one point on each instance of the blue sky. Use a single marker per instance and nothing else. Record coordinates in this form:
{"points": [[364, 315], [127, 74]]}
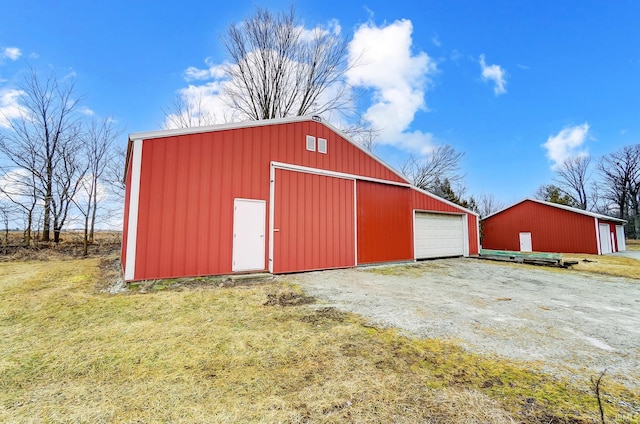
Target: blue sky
{"points": [[497, 80]]}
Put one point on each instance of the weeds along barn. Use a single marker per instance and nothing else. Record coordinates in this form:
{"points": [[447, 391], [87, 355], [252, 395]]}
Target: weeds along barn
{"points": [[281, 196]]}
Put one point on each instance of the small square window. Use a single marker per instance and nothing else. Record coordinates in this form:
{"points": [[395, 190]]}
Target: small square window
{"points": [[311, 143], [322, 145]]}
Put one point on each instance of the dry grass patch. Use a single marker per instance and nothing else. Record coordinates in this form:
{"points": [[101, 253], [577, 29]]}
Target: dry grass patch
{"points": [[618, 266], [257, 353], [633, 244], [409, 269]]}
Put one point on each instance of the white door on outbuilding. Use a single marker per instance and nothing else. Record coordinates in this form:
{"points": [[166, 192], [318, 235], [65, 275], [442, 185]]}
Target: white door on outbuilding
{"points": [[525, 242], [438, 235], [622, 246], [605, 240], [249, 218]]}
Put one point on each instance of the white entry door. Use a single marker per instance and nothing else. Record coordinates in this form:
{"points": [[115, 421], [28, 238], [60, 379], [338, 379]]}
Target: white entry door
{"points": [[525, 242], [605, 240], [620, 236], [249, 218]]}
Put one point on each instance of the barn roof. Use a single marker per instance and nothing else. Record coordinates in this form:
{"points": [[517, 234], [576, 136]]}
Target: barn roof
{"points": [[558, 206]]}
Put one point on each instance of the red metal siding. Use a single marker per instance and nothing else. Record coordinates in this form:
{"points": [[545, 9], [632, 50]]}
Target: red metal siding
{"points": [[315, 218], [384, 223], [423, 202], [473, 234], [552, 229]]}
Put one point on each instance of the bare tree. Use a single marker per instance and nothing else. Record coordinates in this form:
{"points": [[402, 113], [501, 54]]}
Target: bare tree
{"points": [[114, 174], [40, 137], [364, 135], [573, 177], [7, 209], [488, 204], [68, 175], [98, 141], [186, 112], [443, 163], [279, 69], [620, 173], [20, 188]]}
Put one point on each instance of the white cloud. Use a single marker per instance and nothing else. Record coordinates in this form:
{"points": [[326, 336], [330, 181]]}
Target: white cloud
{"points": [[566, 144], [86, 111], [494, 73], [213, 71], [436, 41], [384, 63], [12, 53], [9, 106], [309, 34]]}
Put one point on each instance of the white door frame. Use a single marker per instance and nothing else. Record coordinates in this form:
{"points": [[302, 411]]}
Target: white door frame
{"points": [[622, 244], [605, 238], [464, 223], [249, 225]]}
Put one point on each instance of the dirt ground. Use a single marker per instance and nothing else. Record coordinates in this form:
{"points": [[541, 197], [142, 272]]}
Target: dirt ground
{"points": [[572, 324]]}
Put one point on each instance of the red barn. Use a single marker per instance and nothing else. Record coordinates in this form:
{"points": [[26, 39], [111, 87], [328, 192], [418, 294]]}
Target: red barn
{"points": [[534, 225], [282, 196]]}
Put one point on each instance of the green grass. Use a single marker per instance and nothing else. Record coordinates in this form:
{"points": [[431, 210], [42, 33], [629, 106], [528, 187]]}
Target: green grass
{"points": [[208, 354]]}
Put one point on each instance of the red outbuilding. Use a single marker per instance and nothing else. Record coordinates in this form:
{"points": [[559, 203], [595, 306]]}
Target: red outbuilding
{"points": [[283, 195], [534, 225]]}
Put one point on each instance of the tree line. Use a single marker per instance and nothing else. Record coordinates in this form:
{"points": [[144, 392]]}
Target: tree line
{"points": [[56, 161], [609, 185]]}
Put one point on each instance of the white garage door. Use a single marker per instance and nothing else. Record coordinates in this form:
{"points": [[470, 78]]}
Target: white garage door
{"points": [[438, 235]]}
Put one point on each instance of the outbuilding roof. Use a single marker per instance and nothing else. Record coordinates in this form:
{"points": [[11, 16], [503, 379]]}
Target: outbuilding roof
{"points": [[558, 206]]}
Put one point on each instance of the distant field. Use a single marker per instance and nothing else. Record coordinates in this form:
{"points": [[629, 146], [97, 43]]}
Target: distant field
{"points": [[633, 244], [192, 351]]}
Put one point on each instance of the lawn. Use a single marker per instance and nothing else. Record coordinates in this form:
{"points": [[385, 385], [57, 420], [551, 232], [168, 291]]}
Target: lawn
{"points": [[633, 244], [198, 352], [618, 266]]}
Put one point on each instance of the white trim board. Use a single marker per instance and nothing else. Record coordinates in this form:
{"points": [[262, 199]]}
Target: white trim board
{"points": [[345, 176], [134, 204]]}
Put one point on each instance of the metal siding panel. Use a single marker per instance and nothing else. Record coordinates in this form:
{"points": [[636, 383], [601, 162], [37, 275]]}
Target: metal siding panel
{"points": [[473, 234], [384, 223], [301, 218], [552, 229]]}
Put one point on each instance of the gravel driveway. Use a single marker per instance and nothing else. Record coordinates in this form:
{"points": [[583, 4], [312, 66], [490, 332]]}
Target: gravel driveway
{"points": [[573, 323]]}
